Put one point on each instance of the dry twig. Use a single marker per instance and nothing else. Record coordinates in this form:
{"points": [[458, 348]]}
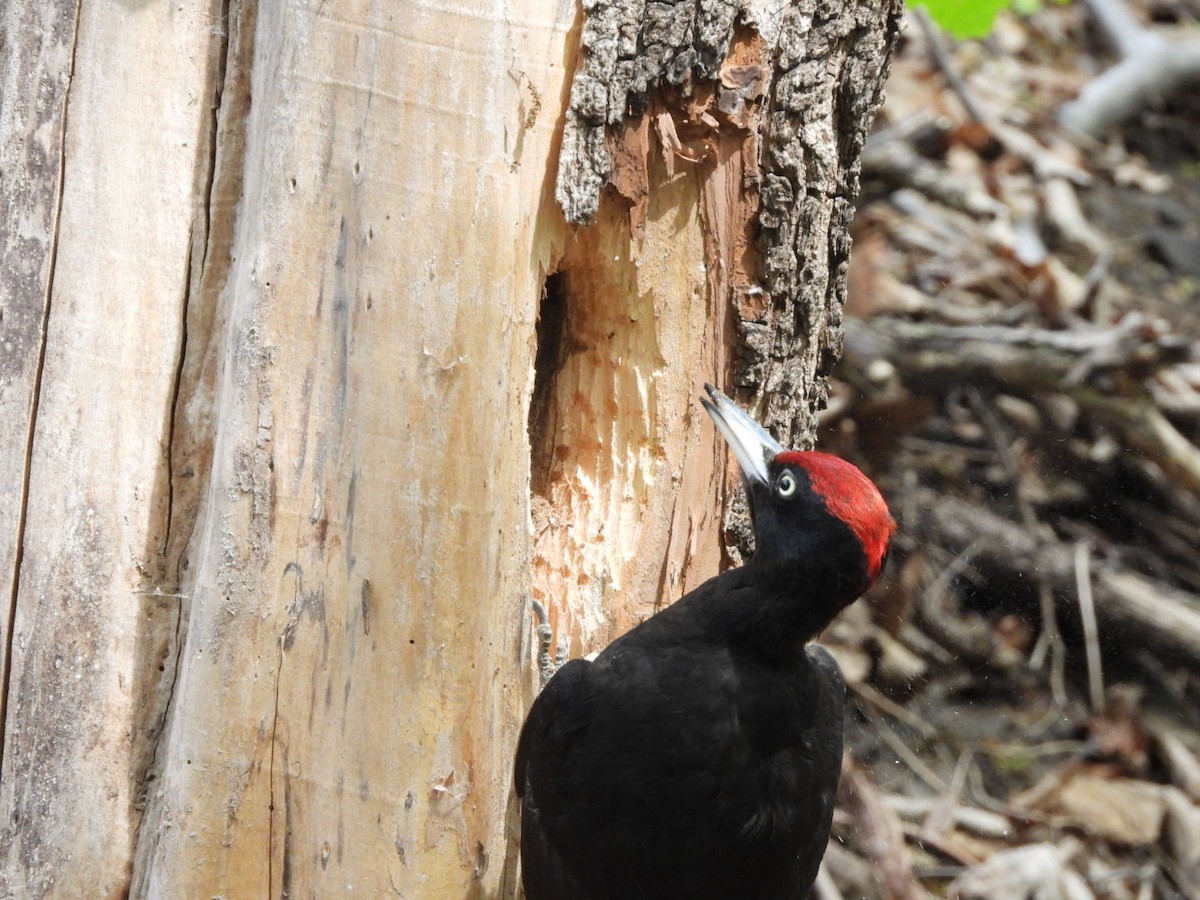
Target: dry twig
{"points": [[1153, 65]]}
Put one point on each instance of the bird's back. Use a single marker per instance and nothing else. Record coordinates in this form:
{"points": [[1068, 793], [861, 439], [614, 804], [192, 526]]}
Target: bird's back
{"points": [[675, 766]]}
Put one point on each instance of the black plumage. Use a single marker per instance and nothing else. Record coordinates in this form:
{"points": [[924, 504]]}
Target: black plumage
{"points": [[698, 755]]}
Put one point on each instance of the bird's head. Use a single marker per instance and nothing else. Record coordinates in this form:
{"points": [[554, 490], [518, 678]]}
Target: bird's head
{"points": [[816, 517]]}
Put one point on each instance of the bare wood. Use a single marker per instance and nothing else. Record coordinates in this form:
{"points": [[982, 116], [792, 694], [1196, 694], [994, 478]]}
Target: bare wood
{"points": [[91, 621], [36, 41], [356, 657]]}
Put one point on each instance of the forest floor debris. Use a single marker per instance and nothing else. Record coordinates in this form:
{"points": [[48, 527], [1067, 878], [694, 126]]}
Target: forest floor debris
{"points": [[1022, 377]]}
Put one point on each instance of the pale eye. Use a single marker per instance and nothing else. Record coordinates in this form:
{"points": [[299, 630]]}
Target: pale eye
{"points": [[786, 485]]}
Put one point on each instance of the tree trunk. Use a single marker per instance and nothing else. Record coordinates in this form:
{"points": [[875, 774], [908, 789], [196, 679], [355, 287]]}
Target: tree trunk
{"points": [[313, 388]]}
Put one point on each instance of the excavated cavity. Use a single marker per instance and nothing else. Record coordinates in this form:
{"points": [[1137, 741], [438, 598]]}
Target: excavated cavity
{"points": [[592, 423], [548, 361]]}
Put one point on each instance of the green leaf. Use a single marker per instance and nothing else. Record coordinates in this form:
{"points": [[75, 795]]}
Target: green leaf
{"points": [[964, 18]]}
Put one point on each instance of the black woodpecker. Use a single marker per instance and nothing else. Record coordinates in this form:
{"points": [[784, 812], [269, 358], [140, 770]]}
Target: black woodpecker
{"points": [[697, 757]]}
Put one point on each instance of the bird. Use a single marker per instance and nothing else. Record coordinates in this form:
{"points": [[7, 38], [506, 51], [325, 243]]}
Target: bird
{"points": [[697, 756]]}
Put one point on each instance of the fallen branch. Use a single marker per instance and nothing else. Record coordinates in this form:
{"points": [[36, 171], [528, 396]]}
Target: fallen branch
{"points": [[927, 356], [1153, 65], [1145, 611], [1032, 358], [1144, 428], [894, 162]]}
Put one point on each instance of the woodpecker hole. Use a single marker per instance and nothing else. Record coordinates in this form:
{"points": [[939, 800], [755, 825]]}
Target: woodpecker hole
{"points": [[621, 487], [592, 430], [551, 353]]}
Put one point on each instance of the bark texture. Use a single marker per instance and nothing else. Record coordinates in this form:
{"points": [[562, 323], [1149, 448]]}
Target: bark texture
{"points": [[315, 389], [797, 86]]}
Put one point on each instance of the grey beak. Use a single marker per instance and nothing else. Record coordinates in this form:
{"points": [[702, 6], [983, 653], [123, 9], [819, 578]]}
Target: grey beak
{"points": [[751, 443]]}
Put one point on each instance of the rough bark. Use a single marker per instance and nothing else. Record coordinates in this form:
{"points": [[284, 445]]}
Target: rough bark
{"points": [[791, 89], [755, 116], [316, 389]]}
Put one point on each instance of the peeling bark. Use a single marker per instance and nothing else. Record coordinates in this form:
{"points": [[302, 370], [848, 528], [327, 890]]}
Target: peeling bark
{"points": [[770, 106], [802, 83]]}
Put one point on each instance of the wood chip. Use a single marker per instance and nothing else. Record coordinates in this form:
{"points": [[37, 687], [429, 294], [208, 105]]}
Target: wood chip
{"points": [[1032, 872], [1120, 810]]}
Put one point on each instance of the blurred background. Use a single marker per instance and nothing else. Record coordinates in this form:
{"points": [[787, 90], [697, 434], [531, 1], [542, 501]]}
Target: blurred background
{"points": [[1021, 377]]}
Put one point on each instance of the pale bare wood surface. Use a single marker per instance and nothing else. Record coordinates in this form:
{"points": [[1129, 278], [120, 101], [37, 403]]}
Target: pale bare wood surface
{"points": [[37, 40], [354, 670], [89, 623]]}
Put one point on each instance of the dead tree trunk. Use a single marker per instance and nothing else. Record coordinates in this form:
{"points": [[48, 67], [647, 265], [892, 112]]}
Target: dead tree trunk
{"points": [[311, 388]]}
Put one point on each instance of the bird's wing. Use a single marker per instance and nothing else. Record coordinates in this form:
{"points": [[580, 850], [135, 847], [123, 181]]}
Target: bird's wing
{"points": [[557, 717], [832, 699], [829, 706]]}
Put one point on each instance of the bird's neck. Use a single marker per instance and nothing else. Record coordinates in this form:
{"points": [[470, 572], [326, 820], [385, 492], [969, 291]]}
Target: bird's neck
{"points": [[778, 612]]}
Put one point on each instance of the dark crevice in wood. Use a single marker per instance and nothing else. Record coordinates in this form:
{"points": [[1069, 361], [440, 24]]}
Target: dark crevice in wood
{"points": [[193, 279], [548, 360], [163, 633]]}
